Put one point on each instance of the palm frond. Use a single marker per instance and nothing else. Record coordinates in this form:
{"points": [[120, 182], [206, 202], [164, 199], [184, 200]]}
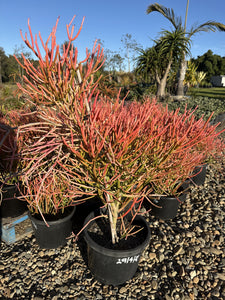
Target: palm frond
{"points": [[167, 13], [206, 27]]}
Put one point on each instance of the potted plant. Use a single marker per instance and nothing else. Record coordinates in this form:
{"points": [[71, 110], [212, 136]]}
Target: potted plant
{"points": [[121, 152], [14, 141], [92, 139], [51, 199], [99, 145], [195, 140], [10, 206], [213, 148], [53, 88], [50, 192]]}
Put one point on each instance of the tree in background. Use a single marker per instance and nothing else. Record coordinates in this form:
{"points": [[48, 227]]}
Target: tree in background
{"points": [[113, 61], [130, 46], [2, 54], [177, 23], [147, 65], [17, 52], [9, 68], [3, 65], [159, 59], [170, 45], [211, 64]]}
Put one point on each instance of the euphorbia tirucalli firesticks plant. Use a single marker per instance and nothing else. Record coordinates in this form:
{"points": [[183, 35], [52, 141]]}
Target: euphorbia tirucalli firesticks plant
{"points": [[47, 188], [49, 193], [116, 141], [63, 82], [129, 151], [59, 81]]}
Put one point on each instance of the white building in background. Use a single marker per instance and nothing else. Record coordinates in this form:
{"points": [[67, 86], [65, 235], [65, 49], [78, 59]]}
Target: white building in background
{"points": [[218, 80]]}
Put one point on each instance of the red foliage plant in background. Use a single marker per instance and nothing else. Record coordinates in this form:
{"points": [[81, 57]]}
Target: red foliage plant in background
{"points": [[195, 141], [8, 151]]}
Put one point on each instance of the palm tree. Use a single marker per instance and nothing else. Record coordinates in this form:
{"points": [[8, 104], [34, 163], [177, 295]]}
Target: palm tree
{"points": [[157, 61], [170, 46], [177, 23], [147, 64]]}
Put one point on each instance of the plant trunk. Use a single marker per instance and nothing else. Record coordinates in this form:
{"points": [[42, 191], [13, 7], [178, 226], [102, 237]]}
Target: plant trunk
{"points": [[182, 72], [183, 65], [161, 88], [113, 216], [162, 84], [128, 60]]}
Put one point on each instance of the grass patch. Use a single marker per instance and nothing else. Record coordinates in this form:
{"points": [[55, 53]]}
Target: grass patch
{"points": [[215, 93]]}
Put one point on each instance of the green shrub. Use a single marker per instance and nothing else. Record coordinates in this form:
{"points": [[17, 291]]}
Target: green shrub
{"points": [[205, 84], [205, 106], [9, 100]]}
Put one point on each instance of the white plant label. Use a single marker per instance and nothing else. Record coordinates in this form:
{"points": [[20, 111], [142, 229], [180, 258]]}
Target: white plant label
{"points": [[128, 260]]}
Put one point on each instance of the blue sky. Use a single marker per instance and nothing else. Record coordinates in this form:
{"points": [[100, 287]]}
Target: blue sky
{"points": [[108, 21]]}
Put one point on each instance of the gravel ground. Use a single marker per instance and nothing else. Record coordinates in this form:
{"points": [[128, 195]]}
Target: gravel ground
{"points": [[185, 258]]}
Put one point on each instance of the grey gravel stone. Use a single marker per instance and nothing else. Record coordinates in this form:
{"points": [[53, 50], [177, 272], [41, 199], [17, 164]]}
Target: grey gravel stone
{"points": [[185, 258]]}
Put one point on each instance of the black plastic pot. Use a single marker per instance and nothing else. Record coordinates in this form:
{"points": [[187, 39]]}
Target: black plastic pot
{"points": [[185, 187], [110, 266], [56, 234], [199, 175], [168, 207], [10, 205]]}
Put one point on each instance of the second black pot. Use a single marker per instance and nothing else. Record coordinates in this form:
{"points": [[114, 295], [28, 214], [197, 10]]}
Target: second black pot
{"points": [[110, 266], [56, 234], [168, 207], [199, 174], [10, 205], [165, 207]]}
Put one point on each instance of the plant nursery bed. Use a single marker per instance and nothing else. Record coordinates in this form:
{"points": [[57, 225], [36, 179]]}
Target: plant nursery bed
{"points": [[15, 229]]}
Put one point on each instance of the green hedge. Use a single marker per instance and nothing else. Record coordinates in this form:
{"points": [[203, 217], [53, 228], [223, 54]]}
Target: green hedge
{"points": [[205, 106]]}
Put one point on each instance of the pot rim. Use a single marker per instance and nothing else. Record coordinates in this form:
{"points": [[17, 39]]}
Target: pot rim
{"points": [[37, 221]]}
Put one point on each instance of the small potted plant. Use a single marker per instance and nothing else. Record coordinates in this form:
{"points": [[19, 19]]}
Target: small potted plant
{"points": [[50, 192], [54, 88], [10, 206], [51, 200], [213, 149]]}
